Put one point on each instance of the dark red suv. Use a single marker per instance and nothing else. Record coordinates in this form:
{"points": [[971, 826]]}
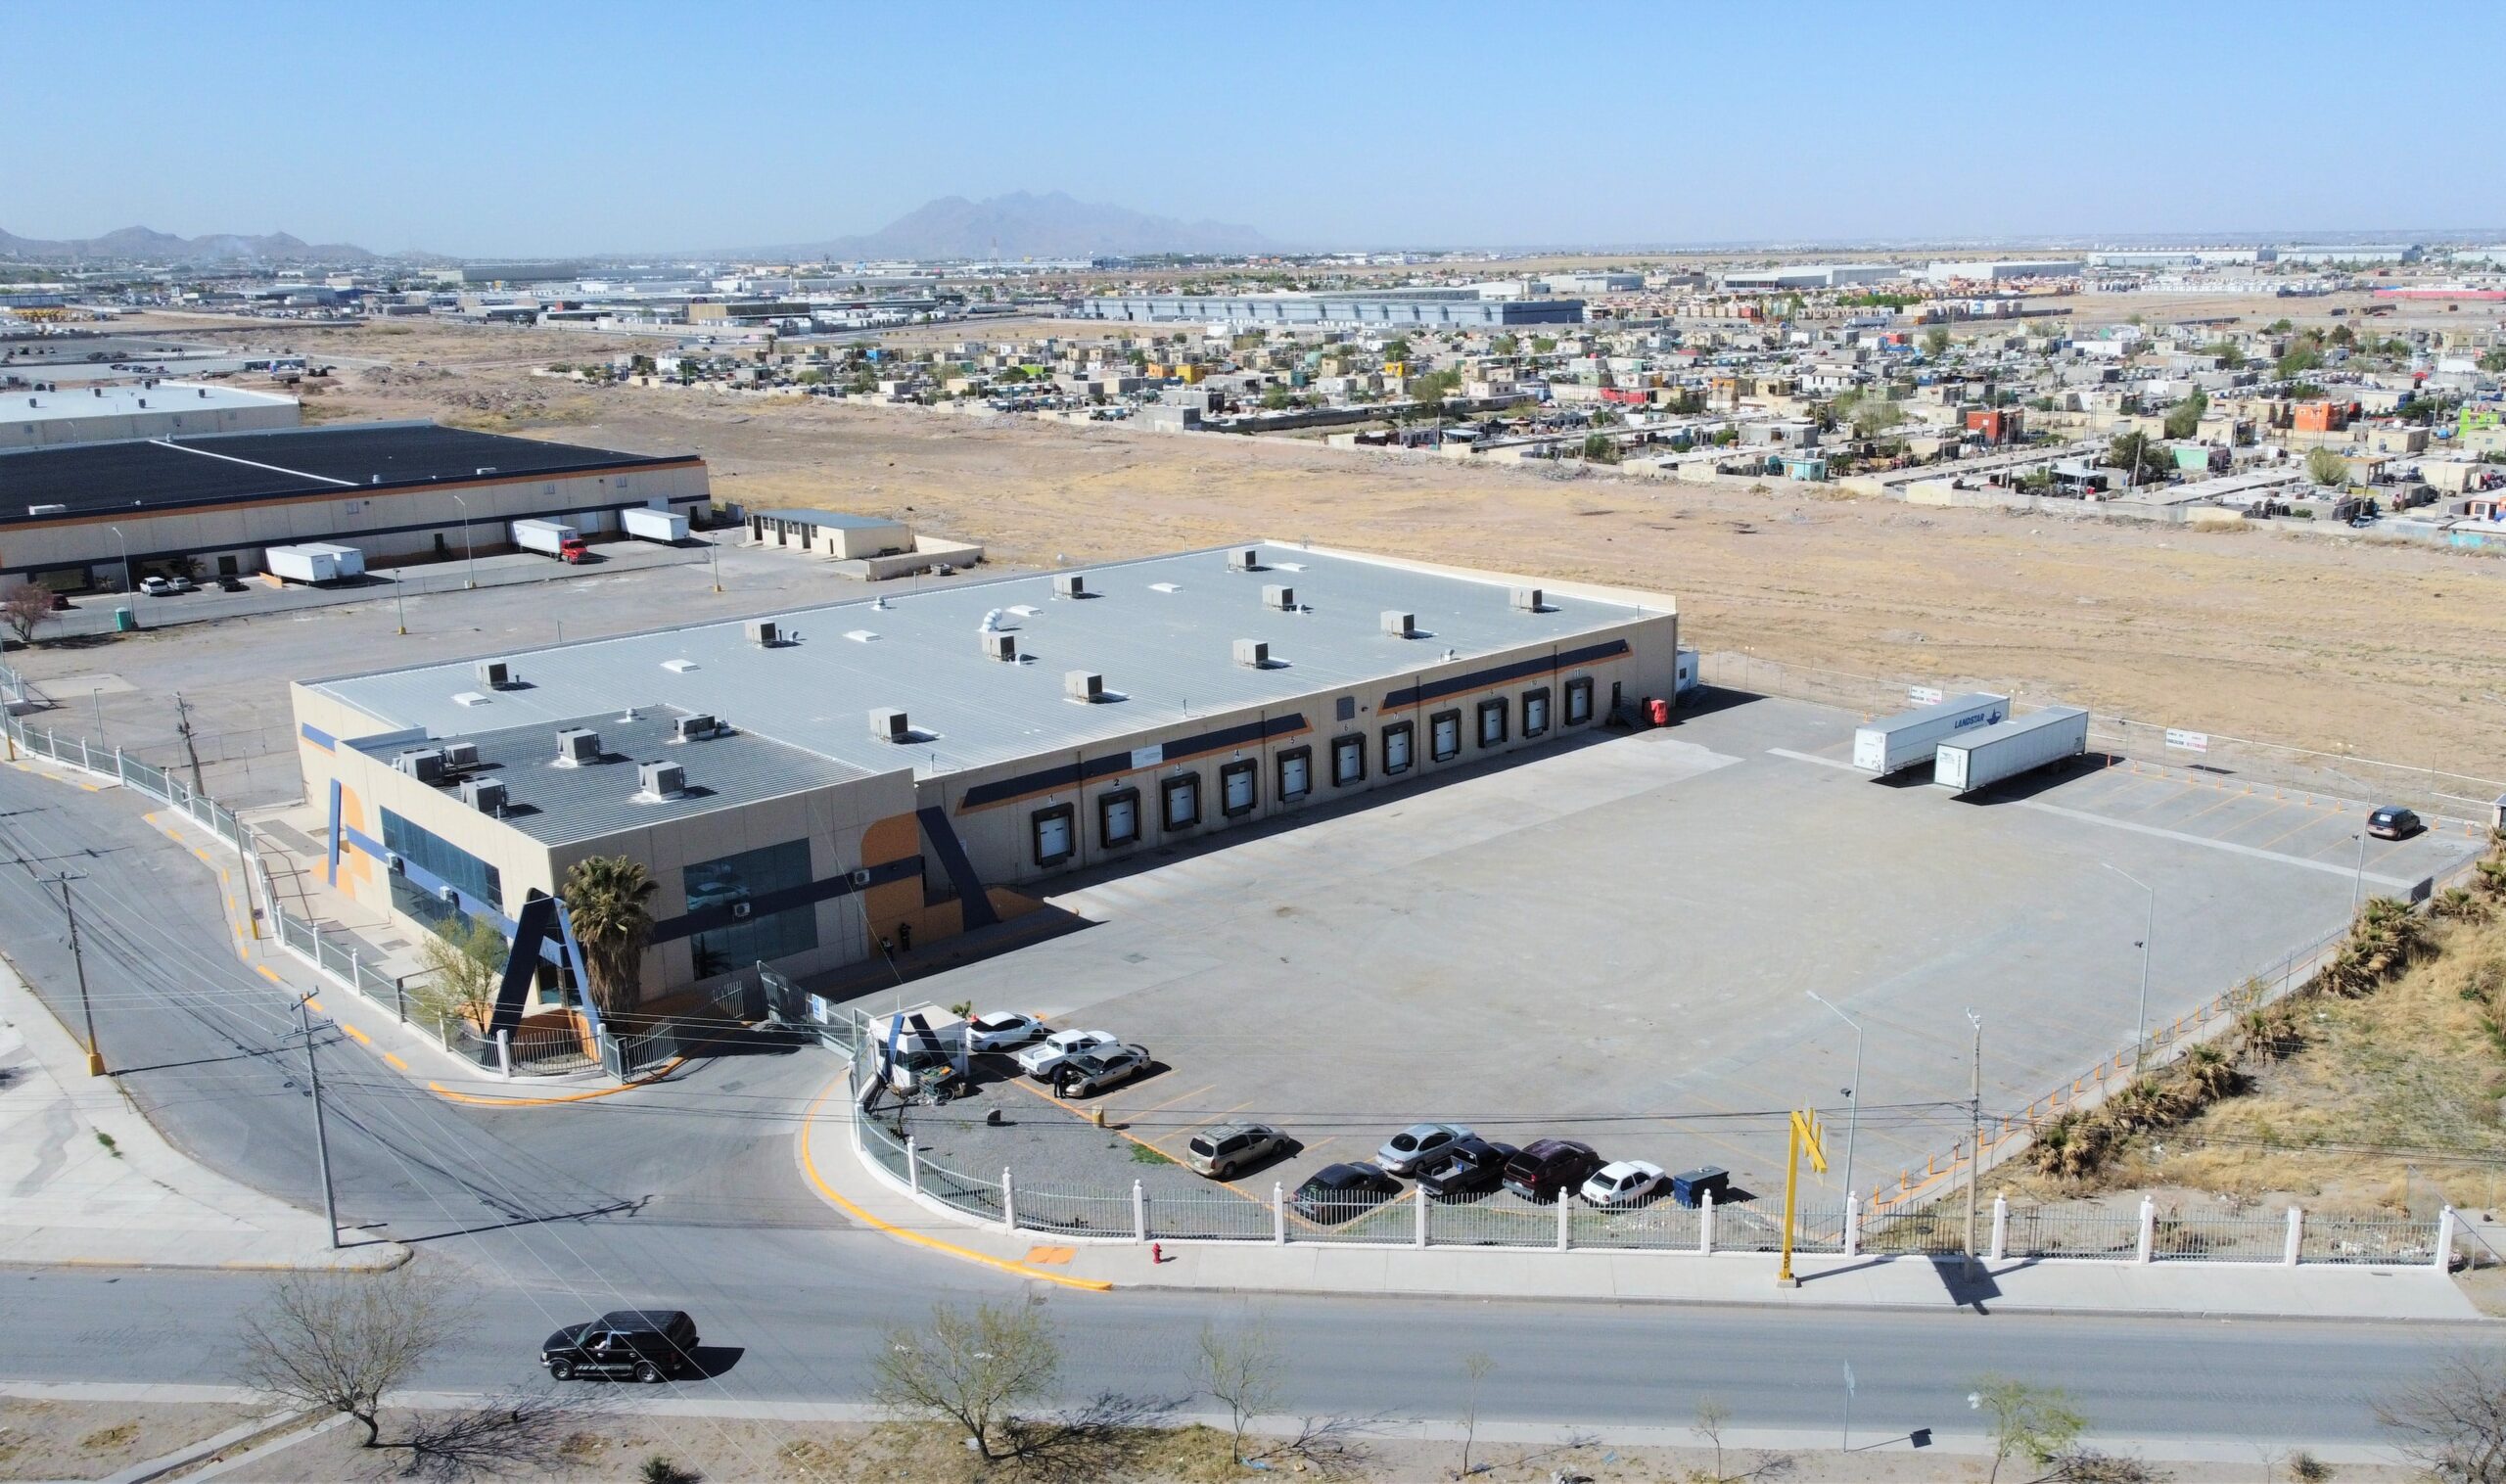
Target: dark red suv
{"points": [[1547, 1166]]}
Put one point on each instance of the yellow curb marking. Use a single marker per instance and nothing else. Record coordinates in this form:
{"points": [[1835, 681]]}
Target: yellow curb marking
{"points": [[355, 1035], [810, 1167], [667, 1067], [1051, 1254], [266, 972], [396, 1061]]}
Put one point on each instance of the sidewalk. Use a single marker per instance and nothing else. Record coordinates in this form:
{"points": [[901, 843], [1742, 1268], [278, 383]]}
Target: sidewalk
{"points": [[76, 1201], [831, 1167]]}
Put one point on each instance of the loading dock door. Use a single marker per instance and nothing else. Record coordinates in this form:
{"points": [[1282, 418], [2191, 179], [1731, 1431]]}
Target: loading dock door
{"points": [[1238, 781], [1535, 714], [1446, 741], [1396, 749], [1295, 776]]}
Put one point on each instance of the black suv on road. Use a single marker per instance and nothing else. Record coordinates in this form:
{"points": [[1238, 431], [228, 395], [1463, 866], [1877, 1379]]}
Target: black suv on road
{"points": [[646, 1344]]}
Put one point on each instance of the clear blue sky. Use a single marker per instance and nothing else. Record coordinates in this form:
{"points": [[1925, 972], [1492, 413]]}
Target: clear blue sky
{"points": [[522, 127]]}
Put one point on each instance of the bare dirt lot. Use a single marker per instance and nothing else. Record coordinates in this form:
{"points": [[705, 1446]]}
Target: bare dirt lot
{"points": [[2391, 652]]}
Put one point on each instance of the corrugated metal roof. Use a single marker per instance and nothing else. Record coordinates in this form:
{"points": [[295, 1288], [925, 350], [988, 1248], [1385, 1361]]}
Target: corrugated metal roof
{"points": [[1159, 630], [556, 803]]}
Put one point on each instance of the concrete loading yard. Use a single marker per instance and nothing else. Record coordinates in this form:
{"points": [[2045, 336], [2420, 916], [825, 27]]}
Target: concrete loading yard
{"points": [[1613, 943]]}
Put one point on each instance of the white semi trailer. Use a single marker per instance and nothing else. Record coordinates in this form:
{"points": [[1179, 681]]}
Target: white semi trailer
{"points": [[1897, 742], [647, 524], [2024, 744], [315, 562]]}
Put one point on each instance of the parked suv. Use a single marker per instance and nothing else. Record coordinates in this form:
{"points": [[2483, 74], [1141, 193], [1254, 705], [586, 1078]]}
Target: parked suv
{"points": [[2393, 822], [1221, 1150], [1547, 1167], [645, 1344]]}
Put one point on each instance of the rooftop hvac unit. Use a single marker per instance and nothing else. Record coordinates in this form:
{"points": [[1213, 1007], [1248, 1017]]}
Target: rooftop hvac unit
{"points": [[888, 724], [695, 729], [1253, 653], [485, 794], [1244, 559], [577, 746], [494, 675], [1082, 685], [1001, 646], [1401, 625], [661, 780], [763, 633], [1070, 585], [1280, 599], [460, 755], [426, 765], [1527, 600]]}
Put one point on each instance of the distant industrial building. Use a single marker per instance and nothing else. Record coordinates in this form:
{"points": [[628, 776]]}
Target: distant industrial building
{"points": [[1593, 283], [95, 413], [2320, 253], [74, 517], [2179, 257], [809, 786], [1811, 275], [482, 273], [1996, 269], [1394, 309]]}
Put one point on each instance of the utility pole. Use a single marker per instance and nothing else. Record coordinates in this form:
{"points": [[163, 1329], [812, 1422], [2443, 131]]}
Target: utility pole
{"points": [[2358, 881], [191, 749], [86, 1008], [321, 1138], [714, 558], [1975, 1137]]}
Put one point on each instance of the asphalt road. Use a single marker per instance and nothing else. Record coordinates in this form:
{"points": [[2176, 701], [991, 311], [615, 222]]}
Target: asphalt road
{"points": [[693, 1198]]}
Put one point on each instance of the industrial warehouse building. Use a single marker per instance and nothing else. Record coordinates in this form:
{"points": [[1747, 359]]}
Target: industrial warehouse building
{"points": [[72, 517], [39, 418], [1391, 309], [804, 786]]}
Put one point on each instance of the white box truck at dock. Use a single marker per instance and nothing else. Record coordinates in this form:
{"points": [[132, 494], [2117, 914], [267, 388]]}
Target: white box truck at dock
{"points": [[315, 562], [669, 527], [555, 539], [1910, 737], [2024, 744]]}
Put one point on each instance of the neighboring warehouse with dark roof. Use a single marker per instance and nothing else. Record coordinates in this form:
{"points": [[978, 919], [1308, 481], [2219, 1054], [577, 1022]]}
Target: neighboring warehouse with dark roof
{"points": [[398, 492], [804, 785]]}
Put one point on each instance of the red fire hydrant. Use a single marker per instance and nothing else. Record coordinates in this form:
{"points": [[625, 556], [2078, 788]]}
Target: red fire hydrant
{"points": [[1156, 1254]]}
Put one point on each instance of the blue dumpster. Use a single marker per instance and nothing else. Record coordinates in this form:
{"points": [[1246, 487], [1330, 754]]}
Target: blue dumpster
{"points": [[1691, 1186]]}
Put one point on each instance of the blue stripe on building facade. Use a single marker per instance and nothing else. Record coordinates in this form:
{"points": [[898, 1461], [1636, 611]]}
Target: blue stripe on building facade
{"points": [[1519, 670], [1069, 774]]}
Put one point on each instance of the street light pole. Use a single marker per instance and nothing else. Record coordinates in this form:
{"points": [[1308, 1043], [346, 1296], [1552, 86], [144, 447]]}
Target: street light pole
{"points": [[714, 558], [86, 1009], [2148, 936], [1975, 1135], [2358, 881], [126, 557], [1853, 1109], [469, 547], [321, 1138]]}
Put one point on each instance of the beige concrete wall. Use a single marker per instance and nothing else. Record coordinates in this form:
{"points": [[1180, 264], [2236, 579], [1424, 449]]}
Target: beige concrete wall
{"points": [[848, 826], [350, 518]]}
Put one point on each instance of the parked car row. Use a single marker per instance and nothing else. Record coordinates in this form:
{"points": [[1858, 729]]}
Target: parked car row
{"points": [[1076, 1063], [1450, 1161]]}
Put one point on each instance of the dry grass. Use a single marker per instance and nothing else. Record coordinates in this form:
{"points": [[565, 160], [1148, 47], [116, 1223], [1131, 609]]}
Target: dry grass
{"points": [[2391, 1104]]}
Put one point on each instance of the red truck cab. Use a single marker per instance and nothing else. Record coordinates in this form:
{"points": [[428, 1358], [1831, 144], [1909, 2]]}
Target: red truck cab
{"points": [[573, 549]]}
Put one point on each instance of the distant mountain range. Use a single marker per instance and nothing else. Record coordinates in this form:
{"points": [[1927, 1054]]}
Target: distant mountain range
{"points": [[1026, 225], [148, 245]]}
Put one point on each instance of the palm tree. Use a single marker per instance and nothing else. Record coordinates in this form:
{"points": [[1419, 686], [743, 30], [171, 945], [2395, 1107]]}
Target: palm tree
{"points": [[2209, 1073], [605, 899]]}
